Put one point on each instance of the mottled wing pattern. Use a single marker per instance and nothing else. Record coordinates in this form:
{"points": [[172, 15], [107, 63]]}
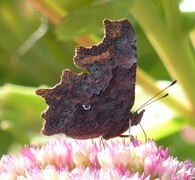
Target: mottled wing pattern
{"points": [[96, 103]]}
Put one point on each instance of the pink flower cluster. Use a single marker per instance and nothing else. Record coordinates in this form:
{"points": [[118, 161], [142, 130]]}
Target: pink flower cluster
{"points": [[94, 159]]}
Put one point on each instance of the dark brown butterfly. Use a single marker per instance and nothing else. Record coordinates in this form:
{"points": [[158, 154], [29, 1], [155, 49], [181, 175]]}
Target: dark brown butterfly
{"points": [[98, 103]]}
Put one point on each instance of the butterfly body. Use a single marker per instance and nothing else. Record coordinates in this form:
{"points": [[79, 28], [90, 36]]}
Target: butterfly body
{"points": [[98, 103]]}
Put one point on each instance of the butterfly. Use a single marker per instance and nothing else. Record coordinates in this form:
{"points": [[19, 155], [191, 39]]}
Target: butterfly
{"points": [[97, 102]]}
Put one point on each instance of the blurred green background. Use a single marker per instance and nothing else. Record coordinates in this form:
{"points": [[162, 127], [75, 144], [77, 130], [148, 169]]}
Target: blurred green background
{"points": [[38, 40]]}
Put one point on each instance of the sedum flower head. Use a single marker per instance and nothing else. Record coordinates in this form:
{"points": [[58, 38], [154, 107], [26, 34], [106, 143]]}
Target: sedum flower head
{"points": [[94, 159]]}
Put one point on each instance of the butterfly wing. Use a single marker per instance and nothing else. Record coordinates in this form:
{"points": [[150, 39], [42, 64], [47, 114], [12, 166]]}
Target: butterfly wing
{"points": [[97, 103]]}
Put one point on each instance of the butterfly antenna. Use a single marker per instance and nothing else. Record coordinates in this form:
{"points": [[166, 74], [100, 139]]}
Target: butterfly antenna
{"points": [[150, 100]]}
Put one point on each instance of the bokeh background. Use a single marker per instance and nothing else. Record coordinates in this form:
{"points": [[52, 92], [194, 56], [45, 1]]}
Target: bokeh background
{"points": [[38, 40]]}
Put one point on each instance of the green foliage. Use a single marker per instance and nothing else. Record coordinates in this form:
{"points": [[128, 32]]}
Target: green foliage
{"points": [[94, 13], [35, 49]]}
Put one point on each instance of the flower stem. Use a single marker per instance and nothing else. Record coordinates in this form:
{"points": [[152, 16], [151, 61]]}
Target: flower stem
{"points": [[175, 52], [146, 81], [50, 9]]}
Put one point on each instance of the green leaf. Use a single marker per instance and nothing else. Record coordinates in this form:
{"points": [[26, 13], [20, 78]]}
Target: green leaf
{"points": [[89, 19], [20, 111]]}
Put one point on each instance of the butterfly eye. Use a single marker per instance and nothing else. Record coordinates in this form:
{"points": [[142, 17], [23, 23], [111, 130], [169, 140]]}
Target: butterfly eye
{"points": [[86, 107]]}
